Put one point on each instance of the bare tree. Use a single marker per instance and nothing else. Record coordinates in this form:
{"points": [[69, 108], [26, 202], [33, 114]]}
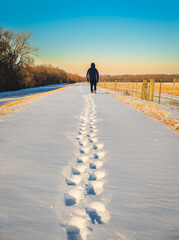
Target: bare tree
{"points": [[16, 52], [16, 64]]}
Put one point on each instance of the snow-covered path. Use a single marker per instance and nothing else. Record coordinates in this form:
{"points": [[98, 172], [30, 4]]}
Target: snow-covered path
{"points": [[79, 166]]}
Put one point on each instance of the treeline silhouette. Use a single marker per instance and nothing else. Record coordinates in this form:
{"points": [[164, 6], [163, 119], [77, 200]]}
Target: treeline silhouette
{"points": [[35, 76], [17, 69], [140, 78]]}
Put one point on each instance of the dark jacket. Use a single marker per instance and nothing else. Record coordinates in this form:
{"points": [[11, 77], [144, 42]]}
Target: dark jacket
{"points": [[92, 75]]}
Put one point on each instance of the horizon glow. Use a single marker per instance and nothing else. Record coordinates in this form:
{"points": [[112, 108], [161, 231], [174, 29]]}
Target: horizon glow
{"points": [[135, 37]]}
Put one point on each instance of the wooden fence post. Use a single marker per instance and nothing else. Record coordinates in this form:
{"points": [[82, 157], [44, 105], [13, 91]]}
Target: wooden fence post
{"points": [[132, 86], [151, 90], [115, 85], [144, 90], [160, 90], [119, 86], [137, 89], [173, 92], [123, 87]]}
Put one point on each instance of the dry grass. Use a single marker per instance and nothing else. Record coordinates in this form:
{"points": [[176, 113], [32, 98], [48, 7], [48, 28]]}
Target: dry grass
{"points": [[167, 88], [151, 110], [22, 102]]}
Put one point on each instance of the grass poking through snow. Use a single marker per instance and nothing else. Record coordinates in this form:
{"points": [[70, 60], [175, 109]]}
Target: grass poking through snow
{"points": [[151, 109]]}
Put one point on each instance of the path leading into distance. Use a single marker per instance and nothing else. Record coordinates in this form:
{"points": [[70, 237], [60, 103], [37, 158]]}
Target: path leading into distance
{"points": [[78, 166]]}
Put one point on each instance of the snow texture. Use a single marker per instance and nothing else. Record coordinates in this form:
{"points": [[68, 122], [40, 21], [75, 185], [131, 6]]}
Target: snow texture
{"points": [[78, 166], [6, 97]]}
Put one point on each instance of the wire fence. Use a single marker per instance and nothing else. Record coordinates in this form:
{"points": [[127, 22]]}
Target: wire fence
{"points": [[160, 92]]}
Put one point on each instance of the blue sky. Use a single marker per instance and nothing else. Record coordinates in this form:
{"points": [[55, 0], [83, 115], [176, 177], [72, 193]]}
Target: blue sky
{"points": [[119, 36]]}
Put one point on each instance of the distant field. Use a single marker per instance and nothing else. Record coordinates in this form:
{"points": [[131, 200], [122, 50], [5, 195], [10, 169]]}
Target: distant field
{"points": [[167, 88]]}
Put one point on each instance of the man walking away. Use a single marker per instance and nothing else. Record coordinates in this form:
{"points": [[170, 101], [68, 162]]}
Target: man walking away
{"points": [[92, 77]]}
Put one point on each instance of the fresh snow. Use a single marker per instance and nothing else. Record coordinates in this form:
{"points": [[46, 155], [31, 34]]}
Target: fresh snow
{"points": [[6, 97], [78, 166]]}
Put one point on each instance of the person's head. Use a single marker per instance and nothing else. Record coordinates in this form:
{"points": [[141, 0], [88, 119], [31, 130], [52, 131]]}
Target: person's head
{"points": [[92, 65]]}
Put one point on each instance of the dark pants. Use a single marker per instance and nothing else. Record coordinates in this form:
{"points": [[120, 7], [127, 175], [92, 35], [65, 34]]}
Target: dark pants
{"points": [[93, 86]]}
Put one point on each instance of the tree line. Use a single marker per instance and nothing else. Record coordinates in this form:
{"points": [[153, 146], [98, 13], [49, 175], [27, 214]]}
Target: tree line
{"points": [[17, 68]]}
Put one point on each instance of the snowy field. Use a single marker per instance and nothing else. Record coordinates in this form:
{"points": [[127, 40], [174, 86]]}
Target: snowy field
{"points": [[78, 166], [6, 97]]}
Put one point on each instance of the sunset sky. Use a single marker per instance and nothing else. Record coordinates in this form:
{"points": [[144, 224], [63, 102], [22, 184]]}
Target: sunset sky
{"points": [[121, 37]]}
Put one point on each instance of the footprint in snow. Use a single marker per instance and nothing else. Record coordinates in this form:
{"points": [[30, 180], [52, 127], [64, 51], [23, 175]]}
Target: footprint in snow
{"points": [[93, 126], [79, 169], [80, 137], [98, 213], [83, 158], [82, 132], [94, 188], [91, 135], [74, 180], [83, 142], [93, 140], [82, 129], [98, 146], [94, 130], [96, 164], [85, 120], [69, 200], [99, 155], [73, 233], [84, 150], [92, 177], [72, 197], [97, 175], [76, 229], [92, 121]]}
